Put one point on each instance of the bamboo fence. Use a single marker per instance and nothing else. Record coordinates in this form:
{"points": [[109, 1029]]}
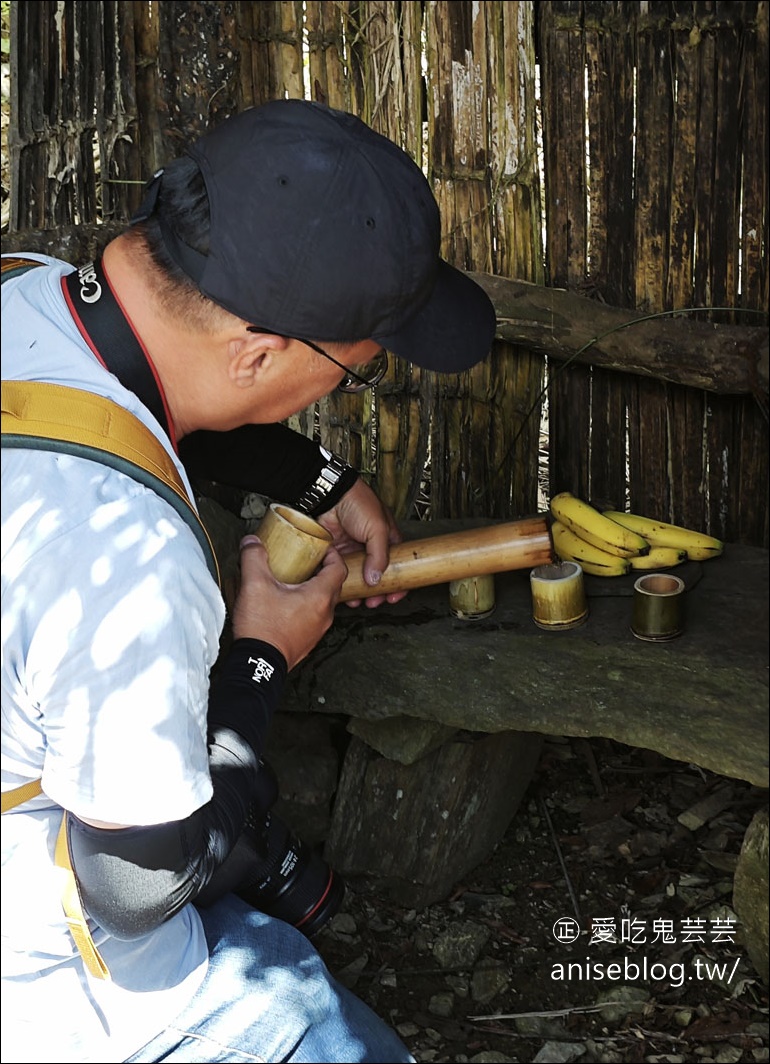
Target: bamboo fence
{"points": [[615, 149]]}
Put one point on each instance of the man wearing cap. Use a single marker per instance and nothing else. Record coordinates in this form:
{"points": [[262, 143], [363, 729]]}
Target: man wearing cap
{"points": [[280, 258]]}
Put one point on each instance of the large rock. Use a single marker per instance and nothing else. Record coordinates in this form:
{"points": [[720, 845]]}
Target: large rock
{"points": [[750, 893], [404, 739], [417, 829]]}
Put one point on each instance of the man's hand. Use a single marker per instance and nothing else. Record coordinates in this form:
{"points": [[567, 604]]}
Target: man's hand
{"points": [[360, 520], [291, 617]]}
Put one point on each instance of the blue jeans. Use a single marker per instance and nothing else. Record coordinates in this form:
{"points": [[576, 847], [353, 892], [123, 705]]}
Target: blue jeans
{"points": [[268, 997]]}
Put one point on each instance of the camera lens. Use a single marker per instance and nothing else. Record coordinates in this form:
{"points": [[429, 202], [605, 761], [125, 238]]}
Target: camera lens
{"points": [[288, 879], [275, 871]]}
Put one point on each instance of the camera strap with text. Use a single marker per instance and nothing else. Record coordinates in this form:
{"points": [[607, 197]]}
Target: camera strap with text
{"points": [[108, 332]]}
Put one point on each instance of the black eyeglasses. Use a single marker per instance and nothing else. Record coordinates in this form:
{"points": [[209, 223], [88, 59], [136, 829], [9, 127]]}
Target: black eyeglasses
{"points": [[366, 375]]}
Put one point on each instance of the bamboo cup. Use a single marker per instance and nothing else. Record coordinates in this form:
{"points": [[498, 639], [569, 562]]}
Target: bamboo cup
{"points": [[455, 556], [472, 598], [558, 596], [294, 542], [657, 609]]}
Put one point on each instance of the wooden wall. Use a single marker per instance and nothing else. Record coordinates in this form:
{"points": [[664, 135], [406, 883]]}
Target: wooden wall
{"points": [[664, 207], [616, 149]]}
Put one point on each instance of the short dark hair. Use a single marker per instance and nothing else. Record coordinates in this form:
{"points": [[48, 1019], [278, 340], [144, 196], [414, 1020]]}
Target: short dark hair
{"points": [[184, 203]]}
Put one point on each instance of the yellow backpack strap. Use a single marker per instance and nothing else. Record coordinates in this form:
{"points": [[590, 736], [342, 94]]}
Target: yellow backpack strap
{"points": [[19, 795], [73, 907], [13, 266], [58, 418], [70, 896]]}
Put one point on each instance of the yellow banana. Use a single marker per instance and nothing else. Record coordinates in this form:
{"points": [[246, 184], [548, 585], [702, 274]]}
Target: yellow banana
{"points": [[591, 559], [659, 558], [595, 528], [698, 545]]}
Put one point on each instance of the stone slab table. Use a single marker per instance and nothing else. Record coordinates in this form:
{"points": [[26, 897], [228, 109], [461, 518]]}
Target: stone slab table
{"points": [[701, 698]]}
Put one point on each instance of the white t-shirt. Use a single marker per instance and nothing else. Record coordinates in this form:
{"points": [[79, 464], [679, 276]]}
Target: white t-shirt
{"points": [[111, 624]]}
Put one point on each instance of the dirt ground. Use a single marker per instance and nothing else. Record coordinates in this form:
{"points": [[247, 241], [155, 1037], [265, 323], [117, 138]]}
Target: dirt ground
{"points": [[595, 870]]}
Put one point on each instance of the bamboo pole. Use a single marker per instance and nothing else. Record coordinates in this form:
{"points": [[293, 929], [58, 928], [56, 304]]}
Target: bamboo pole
{"points": [[442, 559]]}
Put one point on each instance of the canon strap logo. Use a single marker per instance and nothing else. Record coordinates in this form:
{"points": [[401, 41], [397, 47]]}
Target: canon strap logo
{"points": [[90, 289]]}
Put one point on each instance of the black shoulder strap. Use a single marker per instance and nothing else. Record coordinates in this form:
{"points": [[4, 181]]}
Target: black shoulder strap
{"points": [[110, 336]]}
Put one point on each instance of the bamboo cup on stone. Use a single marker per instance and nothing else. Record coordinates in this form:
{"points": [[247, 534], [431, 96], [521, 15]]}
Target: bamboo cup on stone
{"points": [[558, 596], [472, 598], [294, 542], [657, 607], [469, 554]]}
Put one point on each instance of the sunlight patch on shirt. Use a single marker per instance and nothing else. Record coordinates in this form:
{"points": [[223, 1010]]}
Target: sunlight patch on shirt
{"points": [[156, 539], [101, 571], [141, 614], [174, 766], [54, 632], [15, 521], [106, 515], [130, 536]]}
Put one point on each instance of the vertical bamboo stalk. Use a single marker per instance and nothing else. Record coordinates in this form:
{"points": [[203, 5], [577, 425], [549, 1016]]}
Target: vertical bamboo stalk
{"points": [[609, 123], [688, 472], [458, 135], [563, 102], [390, 57], [755, 223], [341, 420], [517, 382], [329, 82], [655, 102]]}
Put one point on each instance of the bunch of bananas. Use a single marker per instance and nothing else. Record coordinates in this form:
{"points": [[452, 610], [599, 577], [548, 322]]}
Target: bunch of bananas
{"points": [[613, 543]]}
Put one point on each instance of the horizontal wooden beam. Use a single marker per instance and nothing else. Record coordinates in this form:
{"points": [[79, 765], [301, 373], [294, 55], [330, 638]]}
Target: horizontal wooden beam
{"points": [[726, 359]]}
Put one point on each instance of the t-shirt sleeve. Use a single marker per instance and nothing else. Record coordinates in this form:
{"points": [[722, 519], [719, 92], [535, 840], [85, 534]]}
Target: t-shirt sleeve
{"points": [[124, 621]]}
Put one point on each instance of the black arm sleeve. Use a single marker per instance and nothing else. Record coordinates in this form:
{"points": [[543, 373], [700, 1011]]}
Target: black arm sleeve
{"points": [[271, 460], [132, 879]]}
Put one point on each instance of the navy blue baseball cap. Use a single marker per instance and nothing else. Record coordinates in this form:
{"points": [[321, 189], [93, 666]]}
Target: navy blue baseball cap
{"points": [[322, 229]]}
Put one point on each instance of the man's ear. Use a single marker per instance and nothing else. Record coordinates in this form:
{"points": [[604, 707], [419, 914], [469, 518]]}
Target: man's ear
{"points": [[253, 356]]}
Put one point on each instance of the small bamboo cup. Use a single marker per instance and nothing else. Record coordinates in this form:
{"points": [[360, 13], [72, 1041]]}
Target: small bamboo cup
{"points": [[472, 598], [657, 608], [558, 596], [294, 542]]}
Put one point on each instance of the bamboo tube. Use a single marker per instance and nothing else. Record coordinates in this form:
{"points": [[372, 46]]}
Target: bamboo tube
{"points": [[454, 556]]}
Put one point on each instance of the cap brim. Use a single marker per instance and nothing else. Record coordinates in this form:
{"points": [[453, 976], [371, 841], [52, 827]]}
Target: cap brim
{"points": [[453, 331]]}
